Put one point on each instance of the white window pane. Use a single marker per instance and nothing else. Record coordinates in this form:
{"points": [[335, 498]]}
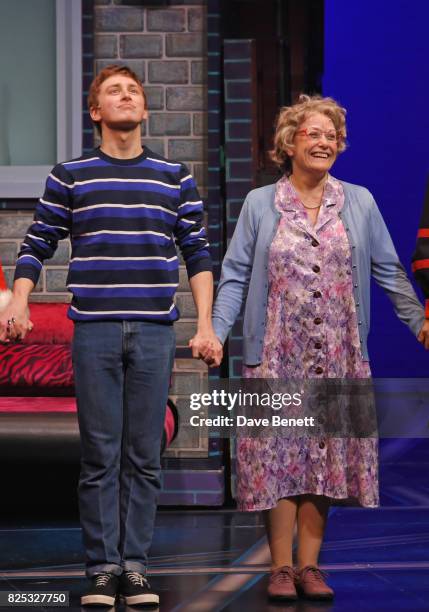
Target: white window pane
{"points": [[27, 83]]}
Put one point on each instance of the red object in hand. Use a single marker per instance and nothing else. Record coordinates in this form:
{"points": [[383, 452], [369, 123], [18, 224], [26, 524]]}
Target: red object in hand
{"points": [[3, 285], [5, 293], [51, 325]]}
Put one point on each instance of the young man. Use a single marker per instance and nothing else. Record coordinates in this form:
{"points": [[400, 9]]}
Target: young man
{"points": [[124, 208]]}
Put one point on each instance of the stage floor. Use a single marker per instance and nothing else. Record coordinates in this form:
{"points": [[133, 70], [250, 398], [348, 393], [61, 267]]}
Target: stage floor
{"points": [[208, 561]]}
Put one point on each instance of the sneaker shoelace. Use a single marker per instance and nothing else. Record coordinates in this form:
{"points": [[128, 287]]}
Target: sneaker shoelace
{"points": [[102, 580], [137, 579], [284, 574]]}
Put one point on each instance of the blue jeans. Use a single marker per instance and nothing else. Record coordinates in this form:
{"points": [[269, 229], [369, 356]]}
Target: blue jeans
{"points": [[122, 373]]}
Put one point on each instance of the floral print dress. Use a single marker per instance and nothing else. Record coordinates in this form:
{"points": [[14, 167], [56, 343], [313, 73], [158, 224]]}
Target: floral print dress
{"points": [[311, 331]]}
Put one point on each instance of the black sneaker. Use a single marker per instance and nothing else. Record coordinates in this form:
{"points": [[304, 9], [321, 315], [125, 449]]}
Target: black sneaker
{"points": [[103, 590], [136, 590]]}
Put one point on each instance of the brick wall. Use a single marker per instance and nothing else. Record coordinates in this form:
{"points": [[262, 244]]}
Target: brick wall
{"points": [[51, 285], [165, 44], [241, 146]]}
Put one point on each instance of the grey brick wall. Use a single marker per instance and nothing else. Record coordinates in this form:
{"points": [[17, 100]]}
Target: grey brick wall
{"points": [[167, 47], [51, 285]]}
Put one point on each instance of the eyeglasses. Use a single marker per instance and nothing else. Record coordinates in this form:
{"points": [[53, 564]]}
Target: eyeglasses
{"points": [[315, 134]]}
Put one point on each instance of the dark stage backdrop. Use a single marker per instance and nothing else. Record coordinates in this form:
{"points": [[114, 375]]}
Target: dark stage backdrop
{"points": [[376, 65]]}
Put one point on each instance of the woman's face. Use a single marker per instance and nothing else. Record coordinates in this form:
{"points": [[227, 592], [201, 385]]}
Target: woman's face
{"points": [[316, 145]]}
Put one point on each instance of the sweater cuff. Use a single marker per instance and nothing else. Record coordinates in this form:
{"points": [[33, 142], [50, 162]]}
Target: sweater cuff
{"points": [[27, 271], [220, 328], [199, 265]]}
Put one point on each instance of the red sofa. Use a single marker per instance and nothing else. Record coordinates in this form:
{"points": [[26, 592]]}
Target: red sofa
{"points": [[37, 404]]}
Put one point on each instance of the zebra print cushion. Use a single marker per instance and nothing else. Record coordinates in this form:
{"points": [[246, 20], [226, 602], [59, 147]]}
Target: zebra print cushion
{"points": [[36, 365]]}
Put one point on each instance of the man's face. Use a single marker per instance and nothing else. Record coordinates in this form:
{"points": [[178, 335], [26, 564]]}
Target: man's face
{"points": [[120, 104]]}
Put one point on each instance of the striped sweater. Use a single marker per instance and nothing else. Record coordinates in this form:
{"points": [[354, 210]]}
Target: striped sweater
{"points": [[420, 260], [124, 218]]}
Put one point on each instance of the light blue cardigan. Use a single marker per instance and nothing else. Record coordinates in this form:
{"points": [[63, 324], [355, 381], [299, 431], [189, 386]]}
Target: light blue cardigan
{"points": [[244, 277]]}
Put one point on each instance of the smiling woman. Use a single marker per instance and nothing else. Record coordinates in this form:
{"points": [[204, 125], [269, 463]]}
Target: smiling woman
{"points": [[301, 258], [314, 119], [308, 138]]}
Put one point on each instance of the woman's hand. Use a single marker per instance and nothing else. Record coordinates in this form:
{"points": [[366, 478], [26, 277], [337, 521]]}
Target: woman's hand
{"points": [[423, 336]]}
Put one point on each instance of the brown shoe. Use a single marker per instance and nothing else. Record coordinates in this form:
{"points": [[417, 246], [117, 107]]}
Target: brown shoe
{"points": [[310, 583], [282, 584]]}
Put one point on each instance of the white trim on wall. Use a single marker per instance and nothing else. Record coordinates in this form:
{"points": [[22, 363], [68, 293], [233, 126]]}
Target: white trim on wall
{"points": [[29, 181], [69, 79]]}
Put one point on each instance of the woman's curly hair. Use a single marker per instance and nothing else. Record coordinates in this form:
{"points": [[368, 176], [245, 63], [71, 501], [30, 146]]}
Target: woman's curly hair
{"points": [[290, 118]]}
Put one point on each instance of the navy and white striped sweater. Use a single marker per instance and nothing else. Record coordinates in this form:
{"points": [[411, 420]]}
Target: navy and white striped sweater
{"points": [[124, 218]]}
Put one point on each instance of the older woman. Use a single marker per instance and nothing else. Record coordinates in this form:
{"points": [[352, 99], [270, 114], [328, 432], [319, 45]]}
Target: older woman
{"points": [[301, 259]]}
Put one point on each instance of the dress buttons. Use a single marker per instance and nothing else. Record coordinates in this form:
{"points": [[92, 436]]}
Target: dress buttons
{"points": [[317, 321], [317, 294], [316, 268], [318, 345], [321, 445], [319, 370], [314, 243]]}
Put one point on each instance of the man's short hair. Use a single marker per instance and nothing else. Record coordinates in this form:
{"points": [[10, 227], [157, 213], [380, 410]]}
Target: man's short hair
{"points": [[104, 74]]}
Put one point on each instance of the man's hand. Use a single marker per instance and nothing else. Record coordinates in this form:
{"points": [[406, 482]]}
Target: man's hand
{"points": [[207, 346], [423, 336]]}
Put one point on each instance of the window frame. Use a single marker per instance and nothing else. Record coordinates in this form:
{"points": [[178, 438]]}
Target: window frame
{"points": [[28, 181]]}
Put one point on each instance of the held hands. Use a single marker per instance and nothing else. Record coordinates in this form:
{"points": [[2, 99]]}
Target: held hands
{"points": [[423, 336], [15, 320], [207, 346]]}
